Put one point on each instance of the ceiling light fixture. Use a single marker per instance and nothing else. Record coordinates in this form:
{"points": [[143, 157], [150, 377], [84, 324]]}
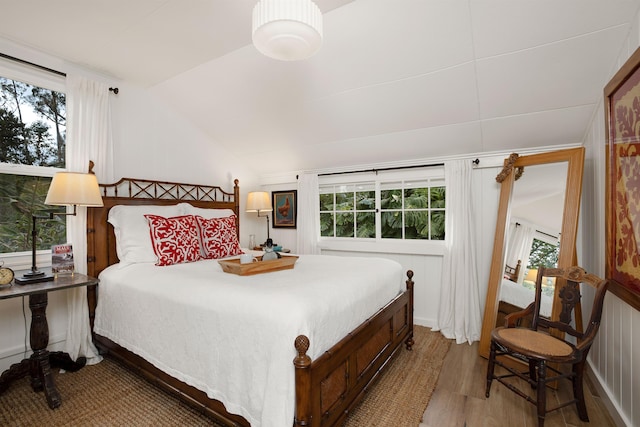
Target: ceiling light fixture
{"points": [[288, 30]]}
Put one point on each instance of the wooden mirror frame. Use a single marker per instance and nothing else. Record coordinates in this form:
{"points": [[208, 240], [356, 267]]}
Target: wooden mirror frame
{"points": [[573, 192]]}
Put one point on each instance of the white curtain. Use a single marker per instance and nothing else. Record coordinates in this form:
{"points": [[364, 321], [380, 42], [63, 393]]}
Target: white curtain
{"points": [[459, 312], [308, 214], [519, 246], [88, 138]]}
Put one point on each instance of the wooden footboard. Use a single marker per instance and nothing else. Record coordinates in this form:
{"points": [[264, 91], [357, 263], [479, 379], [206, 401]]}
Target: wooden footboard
{"points": [[326, 388], [329, 387]]}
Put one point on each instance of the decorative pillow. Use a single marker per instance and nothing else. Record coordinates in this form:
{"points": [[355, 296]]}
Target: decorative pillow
{"points": [[175, 240], [189, 209], [218, 237], [132, 230]]}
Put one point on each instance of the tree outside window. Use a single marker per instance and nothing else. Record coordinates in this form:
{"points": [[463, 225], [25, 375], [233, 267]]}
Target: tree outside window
{"points": [[32, 133], [543, 254], [348, 211], [409, 210]]}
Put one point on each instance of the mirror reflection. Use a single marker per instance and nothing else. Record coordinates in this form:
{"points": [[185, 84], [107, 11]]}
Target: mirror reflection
{"points": [[532, 237], [548, 191]]}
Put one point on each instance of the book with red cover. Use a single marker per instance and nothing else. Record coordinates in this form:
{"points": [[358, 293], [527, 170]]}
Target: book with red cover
{"points": [[62, 259]]}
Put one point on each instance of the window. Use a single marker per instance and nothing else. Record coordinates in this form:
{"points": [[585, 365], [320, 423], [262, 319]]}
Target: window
{"points": [[544, 254], [412, 210], [348, 211], [385, 209], [32, 149]]}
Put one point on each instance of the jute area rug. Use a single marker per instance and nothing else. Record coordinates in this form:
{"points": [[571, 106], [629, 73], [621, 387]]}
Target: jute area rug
{"points": [[107, 394]]}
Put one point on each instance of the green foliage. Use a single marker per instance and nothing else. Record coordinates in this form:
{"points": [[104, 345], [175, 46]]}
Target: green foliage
{"points": [[344, 224], [366, 225], [412, 213], [543, 254], [20, 198], [30, 142], [12, 137], [391, 199], [326, 224], [26, 141]]}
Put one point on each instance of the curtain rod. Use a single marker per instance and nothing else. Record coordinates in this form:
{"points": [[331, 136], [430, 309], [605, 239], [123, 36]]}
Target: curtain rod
{"points": [[475, 162], [541, 232], [42, 67]]}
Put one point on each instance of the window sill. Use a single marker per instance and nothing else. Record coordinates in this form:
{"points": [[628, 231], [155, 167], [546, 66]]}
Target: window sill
{"points": [[378, 246], [18, 261]]}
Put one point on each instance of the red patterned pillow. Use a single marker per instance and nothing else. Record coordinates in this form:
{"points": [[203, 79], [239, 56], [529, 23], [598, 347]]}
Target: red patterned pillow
{"points": [[218, 237], [174, 240]]}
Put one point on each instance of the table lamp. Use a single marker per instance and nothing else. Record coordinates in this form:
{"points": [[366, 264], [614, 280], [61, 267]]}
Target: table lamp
{"points": [[259, 201], [66, 189], [531, 275]]}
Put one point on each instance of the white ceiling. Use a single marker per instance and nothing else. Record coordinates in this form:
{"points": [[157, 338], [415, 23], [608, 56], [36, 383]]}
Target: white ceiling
{"points": [[538, 197], [394, 79]]}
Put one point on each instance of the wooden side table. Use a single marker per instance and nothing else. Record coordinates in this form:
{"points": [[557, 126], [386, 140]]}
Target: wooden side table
{"points": [[41, 361]]}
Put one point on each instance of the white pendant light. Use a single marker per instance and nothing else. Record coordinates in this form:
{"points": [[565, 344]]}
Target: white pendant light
{"points": [[288, 30]]}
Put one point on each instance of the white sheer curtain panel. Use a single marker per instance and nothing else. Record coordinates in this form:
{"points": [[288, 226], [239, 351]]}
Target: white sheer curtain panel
{"points": [[88, 138], [459, 312], [519, 246], [308, 214]]}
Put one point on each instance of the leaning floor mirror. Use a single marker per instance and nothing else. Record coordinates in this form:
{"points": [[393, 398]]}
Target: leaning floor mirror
{"points": [[537, 225]]}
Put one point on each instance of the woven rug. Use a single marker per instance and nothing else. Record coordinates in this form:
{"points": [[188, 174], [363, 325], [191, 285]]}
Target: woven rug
{"points": [[107, 394]]}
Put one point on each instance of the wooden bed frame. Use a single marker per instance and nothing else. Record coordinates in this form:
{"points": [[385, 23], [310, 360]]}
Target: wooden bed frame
{"points": [[326, 388], [512, 273]]}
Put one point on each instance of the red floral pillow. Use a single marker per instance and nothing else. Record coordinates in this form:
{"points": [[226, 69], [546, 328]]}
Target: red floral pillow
{"points": [[174, 240], [218, 237]]}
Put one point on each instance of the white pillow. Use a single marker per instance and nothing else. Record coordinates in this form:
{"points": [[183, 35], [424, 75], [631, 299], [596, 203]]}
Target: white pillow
{"points": [[133, 240], [189, 209]]}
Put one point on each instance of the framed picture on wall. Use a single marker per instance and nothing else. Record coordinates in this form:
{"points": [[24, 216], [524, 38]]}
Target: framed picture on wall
{"points": [[622, 121], [285, 208]]}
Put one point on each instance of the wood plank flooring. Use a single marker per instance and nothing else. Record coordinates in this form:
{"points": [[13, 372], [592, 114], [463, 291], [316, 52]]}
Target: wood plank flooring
{"points": [[459, 400]]}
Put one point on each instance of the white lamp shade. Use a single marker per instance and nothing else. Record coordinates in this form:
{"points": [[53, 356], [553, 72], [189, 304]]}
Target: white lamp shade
{"points": [[288, 30], [74, 188], [258, 201], [531, 275]]}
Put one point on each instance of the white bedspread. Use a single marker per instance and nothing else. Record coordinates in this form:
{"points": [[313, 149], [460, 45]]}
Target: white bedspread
{"points": [[232, 336], [521, 296]]}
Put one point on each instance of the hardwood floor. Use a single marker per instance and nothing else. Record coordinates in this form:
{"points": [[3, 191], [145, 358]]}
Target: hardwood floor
{"points": [[459, 400]]}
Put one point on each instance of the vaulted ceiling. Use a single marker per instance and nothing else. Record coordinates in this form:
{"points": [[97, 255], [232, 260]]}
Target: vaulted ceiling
{"points": [[394, 79]]}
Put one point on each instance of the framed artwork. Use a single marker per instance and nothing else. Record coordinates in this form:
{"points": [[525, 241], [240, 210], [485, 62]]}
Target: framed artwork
{"points": [[285, 209], [622, 122]]}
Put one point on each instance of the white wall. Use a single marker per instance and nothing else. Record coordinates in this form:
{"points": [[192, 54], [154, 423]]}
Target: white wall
{"points": [[615, 355], [153, 141], [424, 258], [150, 141]]}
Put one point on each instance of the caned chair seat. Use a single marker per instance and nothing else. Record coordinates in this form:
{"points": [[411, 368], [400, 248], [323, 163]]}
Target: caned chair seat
{"points": [[533, 343], [537, 348]]}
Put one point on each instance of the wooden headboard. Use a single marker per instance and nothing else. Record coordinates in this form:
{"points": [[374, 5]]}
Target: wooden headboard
{"points": [[101, 242]]}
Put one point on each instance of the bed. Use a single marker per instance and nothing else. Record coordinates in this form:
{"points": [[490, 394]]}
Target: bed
{"points": [[315, 371], [516, 297]]}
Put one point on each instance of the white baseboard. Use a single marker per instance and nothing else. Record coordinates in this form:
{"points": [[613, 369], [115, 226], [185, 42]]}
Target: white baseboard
{"points": [[614, 410], [421, 321]]}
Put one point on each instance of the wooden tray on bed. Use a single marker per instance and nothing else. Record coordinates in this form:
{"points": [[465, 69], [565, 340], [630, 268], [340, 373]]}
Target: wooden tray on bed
{"points": [[258, 267]]}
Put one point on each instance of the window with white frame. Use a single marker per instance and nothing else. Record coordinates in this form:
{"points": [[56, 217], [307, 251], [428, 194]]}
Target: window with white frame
{"points": [[32, 150], [387, 207]]}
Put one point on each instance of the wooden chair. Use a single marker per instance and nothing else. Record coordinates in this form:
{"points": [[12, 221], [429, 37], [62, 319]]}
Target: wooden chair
{"points": [[537, 349], [512, 273]]}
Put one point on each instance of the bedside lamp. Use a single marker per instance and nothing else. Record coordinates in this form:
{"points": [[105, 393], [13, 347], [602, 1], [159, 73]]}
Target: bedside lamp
{"points": [[259, 201], [532, 275], [66, 189]]}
